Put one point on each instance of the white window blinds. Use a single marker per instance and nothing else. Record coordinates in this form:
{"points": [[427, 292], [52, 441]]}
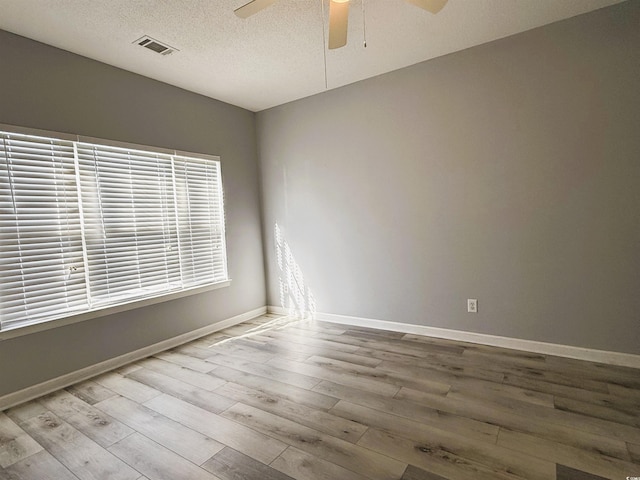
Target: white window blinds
{"points": [[129, 222], [40, 238], [200, 220], [84, 225]]}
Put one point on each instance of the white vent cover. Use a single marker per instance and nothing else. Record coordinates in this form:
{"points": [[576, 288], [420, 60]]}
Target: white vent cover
{"points": [[155, 45]]}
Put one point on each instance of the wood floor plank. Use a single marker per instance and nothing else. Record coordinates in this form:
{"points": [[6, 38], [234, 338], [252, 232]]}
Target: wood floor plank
{"points": [[588, 461], [448, 362], [260, 340], [499, 459], [184, 374], [502, 358], [481, 431], [211, 401], [333, 449], [416, 357], [403, 343], [296, 328], [245, 440], [567, 473], [273, 387], [317, 419], [157, 462], [25, 411], [348, 343], [634, 452], [622, 392], [413, 337], [304, 466], [267, 347], [610, 414], [318, 341], [268, 370], [282, 323], [300, 353], [414, 473], [566, 379], [389, 334], [233, 348], [613, 374], [126, 387], [482, 389], [496, 415], [185, 361], [513, 355], [401, 377], [15, 443], [444, 367], [184, 441], [85, 458], [367, 384], [231, 465], [564, 363], [90, 392], [603, 399], [39, 466], [568, 372], [596, 426], [216, 337], [318, 326], [94, 423], [344, 357], [196, 349], [432, 458]]}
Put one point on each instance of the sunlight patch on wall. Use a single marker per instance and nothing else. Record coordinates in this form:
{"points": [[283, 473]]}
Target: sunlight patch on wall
{"points": [[295, 297]]}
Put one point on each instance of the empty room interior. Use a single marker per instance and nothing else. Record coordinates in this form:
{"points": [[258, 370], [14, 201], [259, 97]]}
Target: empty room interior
{"points": [[320, 239]]}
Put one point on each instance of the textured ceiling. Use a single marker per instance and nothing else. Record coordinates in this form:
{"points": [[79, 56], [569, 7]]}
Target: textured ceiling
{"points": [[277, 55]]}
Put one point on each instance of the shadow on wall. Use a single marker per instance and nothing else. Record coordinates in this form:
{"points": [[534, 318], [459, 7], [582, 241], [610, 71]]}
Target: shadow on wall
{"points": [[295, 297]]}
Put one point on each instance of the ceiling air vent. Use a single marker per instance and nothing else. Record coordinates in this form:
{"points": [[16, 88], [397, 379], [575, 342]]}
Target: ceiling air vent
{"points": [[155, 45]]}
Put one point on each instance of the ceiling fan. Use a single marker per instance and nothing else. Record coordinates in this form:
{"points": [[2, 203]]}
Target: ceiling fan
{"points": [[338, 15]]}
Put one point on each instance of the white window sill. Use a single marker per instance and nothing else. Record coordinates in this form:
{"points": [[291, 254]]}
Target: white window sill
{"points": [[27, 329]]}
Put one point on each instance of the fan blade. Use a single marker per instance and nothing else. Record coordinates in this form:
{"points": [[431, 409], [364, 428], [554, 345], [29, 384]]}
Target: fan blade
{"points": [[252, 7], [433, 6], [338, 20]]}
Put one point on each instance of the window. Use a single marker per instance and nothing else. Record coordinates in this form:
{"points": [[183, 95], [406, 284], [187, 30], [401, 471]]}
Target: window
{"points": [[85, 226]]}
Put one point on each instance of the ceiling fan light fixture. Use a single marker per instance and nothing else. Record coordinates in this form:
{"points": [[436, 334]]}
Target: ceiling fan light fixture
{"points": [[338, 23], [338, 15]]}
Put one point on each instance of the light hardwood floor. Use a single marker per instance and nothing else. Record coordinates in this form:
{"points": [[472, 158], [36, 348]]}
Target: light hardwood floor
{"points": [[275, 399]]}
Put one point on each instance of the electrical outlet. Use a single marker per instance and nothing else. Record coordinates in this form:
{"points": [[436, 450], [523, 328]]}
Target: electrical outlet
{"points": [[472, 305]]}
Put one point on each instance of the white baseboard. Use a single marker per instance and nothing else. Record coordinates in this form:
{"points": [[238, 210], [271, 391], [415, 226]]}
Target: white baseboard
{"points": [[63, 381], [568, 351]]}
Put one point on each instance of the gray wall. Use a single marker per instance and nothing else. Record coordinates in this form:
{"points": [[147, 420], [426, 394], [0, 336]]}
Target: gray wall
{"points": [[509, 172], [43, 87]]}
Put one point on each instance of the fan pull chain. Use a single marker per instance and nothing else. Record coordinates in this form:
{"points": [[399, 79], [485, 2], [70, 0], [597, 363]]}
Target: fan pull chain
{"points": [[364, 26]]}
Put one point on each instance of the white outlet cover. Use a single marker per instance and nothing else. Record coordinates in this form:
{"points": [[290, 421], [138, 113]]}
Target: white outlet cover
{"points": [[472, 305]]}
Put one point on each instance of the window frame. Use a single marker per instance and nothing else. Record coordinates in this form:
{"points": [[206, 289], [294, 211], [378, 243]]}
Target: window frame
{"points": [[102, 311]]}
